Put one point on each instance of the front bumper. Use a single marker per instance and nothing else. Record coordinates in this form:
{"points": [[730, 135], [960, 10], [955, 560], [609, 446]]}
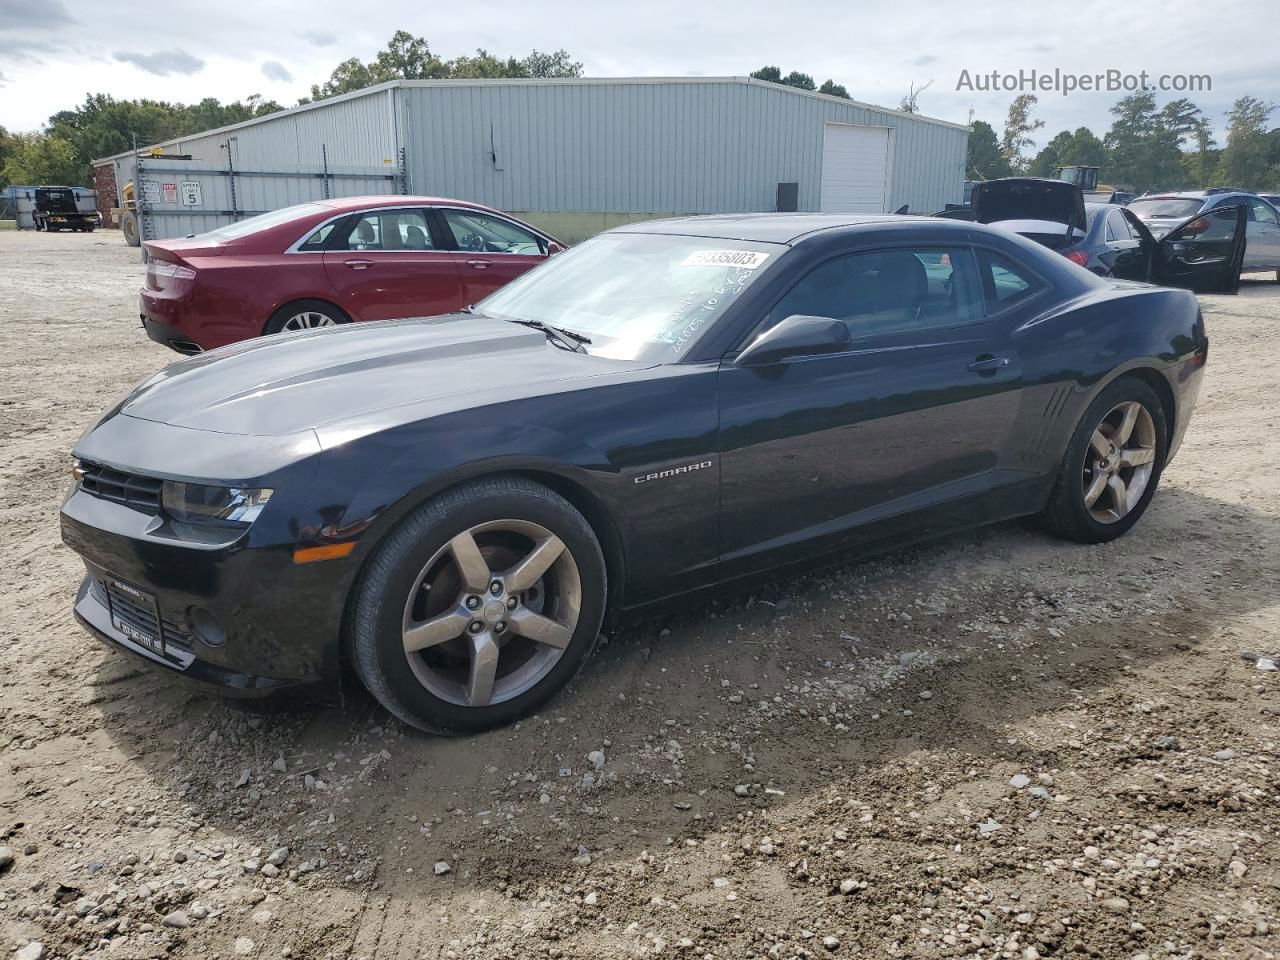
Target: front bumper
{"points": [[279, 622], [178, 653]]}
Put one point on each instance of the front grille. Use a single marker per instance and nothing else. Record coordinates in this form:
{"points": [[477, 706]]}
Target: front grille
{"points": [[132, 489], [139, 616]]}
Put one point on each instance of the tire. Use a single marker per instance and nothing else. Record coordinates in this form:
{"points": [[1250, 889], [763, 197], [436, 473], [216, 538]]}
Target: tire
{"points": [[129, 227], [421, 650], [1085, 471], [304, 315]]}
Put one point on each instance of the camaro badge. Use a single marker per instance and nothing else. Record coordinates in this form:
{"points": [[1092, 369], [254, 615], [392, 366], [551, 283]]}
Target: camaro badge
{"points": [[673, 472]]}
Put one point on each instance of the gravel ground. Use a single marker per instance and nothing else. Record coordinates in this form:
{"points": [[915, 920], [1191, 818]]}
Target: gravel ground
{"points": [[997, 746]]}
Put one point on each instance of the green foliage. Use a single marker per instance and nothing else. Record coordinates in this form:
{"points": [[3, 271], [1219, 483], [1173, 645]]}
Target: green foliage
{"points": [[1249, 160], [37, 158], [102, 126], [1143, 147], [801, 81], [407, 57], [1079, 148], [985, 160]]}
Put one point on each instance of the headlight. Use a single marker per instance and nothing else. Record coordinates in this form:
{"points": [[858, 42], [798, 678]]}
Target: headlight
{"points": [[200, 503]]}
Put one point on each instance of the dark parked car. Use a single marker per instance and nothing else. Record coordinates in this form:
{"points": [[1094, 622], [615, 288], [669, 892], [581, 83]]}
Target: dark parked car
{"points": [[329, 262], [459, 503], [1111, 241]]}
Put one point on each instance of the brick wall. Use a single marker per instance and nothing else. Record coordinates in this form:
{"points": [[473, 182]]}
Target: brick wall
{"points": [[104, 184]]}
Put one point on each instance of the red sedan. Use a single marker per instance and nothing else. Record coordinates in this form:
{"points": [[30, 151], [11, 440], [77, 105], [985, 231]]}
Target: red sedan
{"points": [[332, 261]]}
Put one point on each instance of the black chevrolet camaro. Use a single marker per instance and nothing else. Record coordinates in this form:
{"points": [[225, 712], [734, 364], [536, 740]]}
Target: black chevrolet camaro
{"points": [[457, 505]]}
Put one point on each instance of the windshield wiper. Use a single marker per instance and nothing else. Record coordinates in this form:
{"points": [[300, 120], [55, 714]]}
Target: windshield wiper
{"points": [[568, 339]]}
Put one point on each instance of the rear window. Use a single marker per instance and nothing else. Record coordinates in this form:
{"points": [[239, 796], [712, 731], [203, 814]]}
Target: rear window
{"points": [[1175, 208], [264, 221]]}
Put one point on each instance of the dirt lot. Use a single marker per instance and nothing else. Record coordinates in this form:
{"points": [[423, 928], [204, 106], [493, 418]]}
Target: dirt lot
{"points": [[997, 746]]}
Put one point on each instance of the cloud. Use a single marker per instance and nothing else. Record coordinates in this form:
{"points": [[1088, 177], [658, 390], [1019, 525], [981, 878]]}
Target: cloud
{"points": [[319, 38], [162, 62], [273, 70], [924, 61], [33, 14]]}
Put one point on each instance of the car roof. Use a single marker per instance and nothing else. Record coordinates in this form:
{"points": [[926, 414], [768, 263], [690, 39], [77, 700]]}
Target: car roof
{"points": [[1177, 195], [395, 200], [776, 227]]}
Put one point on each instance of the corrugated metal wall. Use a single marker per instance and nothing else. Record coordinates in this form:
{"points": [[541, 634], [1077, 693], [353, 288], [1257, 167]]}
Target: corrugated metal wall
{"points": [[652, 147]]}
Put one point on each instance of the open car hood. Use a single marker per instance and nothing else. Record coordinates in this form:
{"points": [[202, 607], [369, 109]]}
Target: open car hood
{"points": [[1028, 198]]}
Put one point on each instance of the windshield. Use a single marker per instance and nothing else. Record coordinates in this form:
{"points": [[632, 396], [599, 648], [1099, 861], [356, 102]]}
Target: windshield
{"points": [[264, 220], [637, 296], [1173, 208]]}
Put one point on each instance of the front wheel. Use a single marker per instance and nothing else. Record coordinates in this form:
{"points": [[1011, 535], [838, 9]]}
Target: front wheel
{"points": [[483, 603], [1112, 465]]}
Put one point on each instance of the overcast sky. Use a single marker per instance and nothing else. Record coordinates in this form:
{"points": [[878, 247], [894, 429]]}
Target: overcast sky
{"points": [[53, 52]]}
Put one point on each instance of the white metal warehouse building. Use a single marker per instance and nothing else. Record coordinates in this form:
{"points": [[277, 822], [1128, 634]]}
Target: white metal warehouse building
{"points": [[573, 156]]}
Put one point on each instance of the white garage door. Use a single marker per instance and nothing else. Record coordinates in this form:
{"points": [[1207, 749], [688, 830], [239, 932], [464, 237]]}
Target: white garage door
{"points": [[855, 165]]}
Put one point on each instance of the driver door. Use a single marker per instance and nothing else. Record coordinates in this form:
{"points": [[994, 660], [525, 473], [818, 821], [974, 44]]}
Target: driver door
{"points": [[490, 251], [1205, 252], [844, 450]]}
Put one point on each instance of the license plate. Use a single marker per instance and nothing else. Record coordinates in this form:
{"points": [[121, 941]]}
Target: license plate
{"points": [[142, 599]]}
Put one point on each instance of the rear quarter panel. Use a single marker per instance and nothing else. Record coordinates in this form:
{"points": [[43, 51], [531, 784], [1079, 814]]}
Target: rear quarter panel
{"points": [[1075, 350]]}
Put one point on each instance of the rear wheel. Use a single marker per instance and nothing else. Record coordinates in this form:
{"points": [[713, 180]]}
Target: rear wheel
{"points": [[1112, 466], [305, 315], [482, 604]]}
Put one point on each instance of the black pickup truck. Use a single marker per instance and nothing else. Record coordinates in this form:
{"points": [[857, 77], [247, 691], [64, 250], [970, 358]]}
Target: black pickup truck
{"points": [[55, 209]]}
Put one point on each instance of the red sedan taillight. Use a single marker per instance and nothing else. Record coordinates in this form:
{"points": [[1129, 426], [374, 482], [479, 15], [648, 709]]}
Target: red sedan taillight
{"points": [[1078, 257], [161, 274]]}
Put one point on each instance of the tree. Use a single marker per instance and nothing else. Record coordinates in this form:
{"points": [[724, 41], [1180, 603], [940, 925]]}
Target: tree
{"points": [[1247, 162], [801, 81], [1079, 147], [8, 144], [984, 159], [1142, 147], [407, 57], [38, 158], [910, 103], [1192, 127], [1018, 127]]}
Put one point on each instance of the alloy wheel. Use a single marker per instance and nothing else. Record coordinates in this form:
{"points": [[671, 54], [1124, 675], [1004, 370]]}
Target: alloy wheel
{"points": [[1119, 462], [492, 612], [308, 320]]}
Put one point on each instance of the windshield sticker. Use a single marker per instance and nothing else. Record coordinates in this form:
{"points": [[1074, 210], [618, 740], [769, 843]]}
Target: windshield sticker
{"points": [[744, 259]]}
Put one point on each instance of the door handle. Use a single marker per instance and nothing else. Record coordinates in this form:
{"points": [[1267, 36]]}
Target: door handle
{"points": [[988, 364], [358, 264], [478, 264]]}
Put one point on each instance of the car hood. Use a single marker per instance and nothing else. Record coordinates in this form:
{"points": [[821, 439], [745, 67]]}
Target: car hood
{"points": [[288, 383], [1028, 198]]}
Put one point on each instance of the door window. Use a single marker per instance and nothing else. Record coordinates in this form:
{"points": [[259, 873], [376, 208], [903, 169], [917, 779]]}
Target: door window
{"points": [[1004, 283], [1117, 227], [383, 230], [478, 232], [317, 240], [1263, 212], [889, 291]]}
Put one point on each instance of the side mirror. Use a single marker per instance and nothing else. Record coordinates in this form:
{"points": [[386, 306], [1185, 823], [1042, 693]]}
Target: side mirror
{"points": [[553, 248], [796, 336]]}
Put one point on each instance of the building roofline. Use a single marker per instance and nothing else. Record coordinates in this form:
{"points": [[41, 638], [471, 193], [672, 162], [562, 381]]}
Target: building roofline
{"points": [[253, 121], [602, 81], [538, 81]]}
